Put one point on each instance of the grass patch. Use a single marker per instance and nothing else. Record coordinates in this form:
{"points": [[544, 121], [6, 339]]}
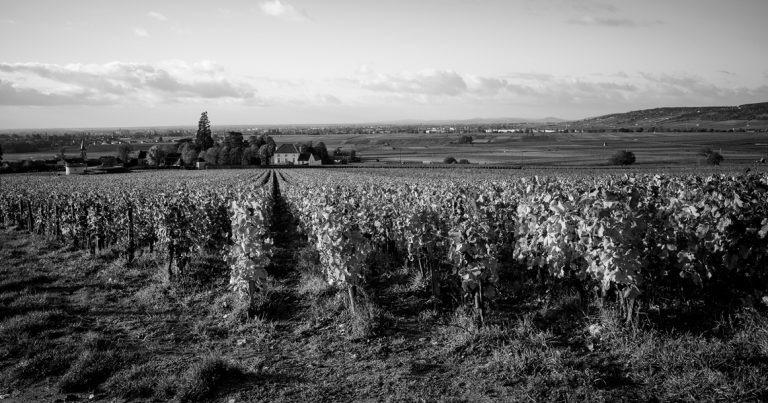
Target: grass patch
{"points": [[142, 381], [313, 285], [32, 323], [93, 365], [51, 361], [34, 301], [365, 320], [272, 300], [204, 378], [89, 370]]}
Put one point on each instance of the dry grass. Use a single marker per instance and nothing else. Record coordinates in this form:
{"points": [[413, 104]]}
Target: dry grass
{"points": [[72, 324]]}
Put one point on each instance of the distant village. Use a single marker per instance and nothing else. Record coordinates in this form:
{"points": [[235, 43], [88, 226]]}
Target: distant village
{"points": [[230, 151]]}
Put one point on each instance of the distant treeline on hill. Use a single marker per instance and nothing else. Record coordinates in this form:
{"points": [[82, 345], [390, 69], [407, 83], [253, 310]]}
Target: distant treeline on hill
{"points": [[712, 118]]}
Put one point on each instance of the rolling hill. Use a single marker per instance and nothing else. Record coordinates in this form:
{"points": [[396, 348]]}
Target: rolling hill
{"points": [[749, 117]]}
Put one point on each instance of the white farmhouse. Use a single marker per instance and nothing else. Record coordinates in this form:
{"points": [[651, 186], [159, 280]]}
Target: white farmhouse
{"points": [[286, 154], [74, 169]]}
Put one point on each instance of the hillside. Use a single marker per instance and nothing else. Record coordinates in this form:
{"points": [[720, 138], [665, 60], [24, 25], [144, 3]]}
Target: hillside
{"points": [[749, 116]]}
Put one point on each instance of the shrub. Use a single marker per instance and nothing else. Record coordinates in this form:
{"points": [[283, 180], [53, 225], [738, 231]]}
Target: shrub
{"points": [[704, 152], [623, 157], [465, 140], [714, 158], [449, 160]]}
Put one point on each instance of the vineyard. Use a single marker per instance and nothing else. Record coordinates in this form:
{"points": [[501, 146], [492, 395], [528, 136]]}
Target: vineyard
{"points": [[437, 250]]}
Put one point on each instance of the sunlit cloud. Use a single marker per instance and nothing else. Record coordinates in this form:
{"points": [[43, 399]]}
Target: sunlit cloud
{"points": [[611, 22], [157, 16], [596, 91], [179, 82], [327, 99], [140, 32], [429, 82], [280, 9], [118, 83]]}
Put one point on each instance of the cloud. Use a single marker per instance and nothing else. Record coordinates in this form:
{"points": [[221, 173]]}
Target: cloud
{"points": [[593, 6], [280, 9], [443, 85], [550, 7], [574, 93], [16, 96], [118, 83], [140, 32], [612, 22], [157, 16], [694, 89], [327, 99], [427, 82]]}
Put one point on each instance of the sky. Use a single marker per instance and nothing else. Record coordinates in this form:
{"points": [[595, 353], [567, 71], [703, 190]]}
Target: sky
{"points": [[111, 63]]}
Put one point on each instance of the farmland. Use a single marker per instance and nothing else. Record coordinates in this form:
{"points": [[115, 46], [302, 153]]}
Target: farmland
{"points": [[385, 284], [661, 149]]}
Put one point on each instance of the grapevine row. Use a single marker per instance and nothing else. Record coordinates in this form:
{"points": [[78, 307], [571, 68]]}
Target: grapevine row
{"points": [[622, 233]]}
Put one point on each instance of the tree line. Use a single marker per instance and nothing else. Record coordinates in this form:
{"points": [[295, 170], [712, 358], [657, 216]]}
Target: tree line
{"points": [[232, 150]]}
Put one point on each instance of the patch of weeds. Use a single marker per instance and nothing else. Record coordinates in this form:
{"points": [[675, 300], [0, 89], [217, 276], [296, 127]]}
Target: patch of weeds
{"points": [[8, 296], [364, 321], [51, 361], [308, 261], [209, 331], [230, 313], [204, 378], [401, 279], [203, 272], [14, 284], [564, 313], [692, 366], [153, 297], [428, 315], [95, 363], [34, 301], [463, 335], [417, 281], [31, 323], [459, 330], [142, 381], [521, 358], [90, 368], [121, 271], [314, 286], [109, 254], [273, 299]]}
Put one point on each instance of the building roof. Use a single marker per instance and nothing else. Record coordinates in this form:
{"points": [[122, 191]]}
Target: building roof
{"points": [[304, 157], [286, 149]]}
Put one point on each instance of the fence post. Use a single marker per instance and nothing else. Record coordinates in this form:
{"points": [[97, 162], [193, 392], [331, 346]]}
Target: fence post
{"points": [[131, 245]]}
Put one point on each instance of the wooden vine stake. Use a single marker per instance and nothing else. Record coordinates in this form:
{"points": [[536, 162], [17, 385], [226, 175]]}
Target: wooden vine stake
{"points": [[131, 242], [352, 290], [479, 303]]}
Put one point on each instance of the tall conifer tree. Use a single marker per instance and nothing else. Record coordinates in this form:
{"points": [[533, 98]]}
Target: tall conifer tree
{"points": [[204, 140]]}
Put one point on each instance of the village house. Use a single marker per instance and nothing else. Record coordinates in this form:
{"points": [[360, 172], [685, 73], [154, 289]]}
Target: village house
{"points": [[286, 154], [309, 159], [71, 168]]}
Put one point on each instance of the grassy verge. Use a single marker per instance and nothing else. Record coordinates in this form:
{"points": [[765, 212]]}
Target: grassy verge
{"points": [[71, 324]]}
